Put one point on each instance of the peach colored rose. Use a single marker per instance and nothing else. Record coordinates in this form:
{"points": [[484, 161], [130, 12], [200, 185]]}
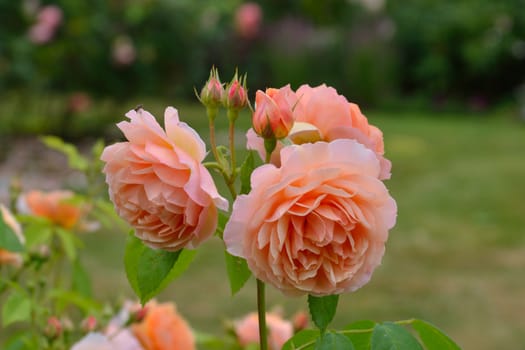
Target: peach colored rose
{"points": [[279, 330], [158, 184], [54, 205], [321, 114], [318, 224], [7, 257], [164, 329], [273, 116]]}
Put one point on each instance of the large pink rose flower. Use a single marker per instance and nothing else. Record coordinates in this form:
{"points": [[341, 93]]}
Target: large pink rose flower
{"points": [[158, 184], [321, 114], [319, 223]]}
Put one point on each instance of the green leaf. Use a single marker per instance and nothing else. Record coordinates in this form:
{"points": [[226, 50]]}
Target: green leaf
{"points": [[246, 171], [17, 308], [306, 336], [238, 272], [333, 341], [81, 280], [75, 160], [38, 234], [69, 242], [361, 340], [391, 336], [150, 270], [322, 310], [432, 337], [65, 298], [8, 239]]}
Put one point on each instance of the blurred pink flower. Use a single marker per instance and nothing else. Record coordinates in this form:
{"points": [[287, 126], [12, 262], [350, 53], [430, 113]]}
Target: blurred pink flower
{"points": [[7, 257], [248, 19], [158, 183], [316, 225], [50, 15], [279, 330], [124, 52], [49, 19]]}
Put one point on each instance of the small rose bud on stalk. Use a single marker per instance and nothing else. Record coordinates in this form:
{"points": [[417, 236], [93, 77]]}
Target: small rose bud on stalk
{"points": [[212, 94], [273, 117], [235, 99], [53, 328], [211, 97], [236, 96]]}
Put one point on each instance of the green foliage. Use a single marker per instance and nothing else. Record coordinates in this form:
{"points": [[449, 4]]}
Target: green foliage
{"points": [[322, 310], [149, 270], [238, 272], [304, 339], [432, 337], [75, 160], [361, 340], [16, 308], [333, 341], [8, 238], [81, 280], [247, 168], [391, 336]]}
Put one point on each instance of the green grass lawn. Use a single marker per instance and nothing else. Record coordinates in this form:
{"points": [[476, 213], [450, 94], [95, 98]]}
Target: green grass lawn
{"points": [[456, 257]]}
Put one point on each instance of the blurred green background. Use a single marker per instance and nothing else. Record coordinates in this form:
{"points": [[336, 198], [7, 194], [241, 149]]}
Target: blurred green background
{"points": [[443, 79]]}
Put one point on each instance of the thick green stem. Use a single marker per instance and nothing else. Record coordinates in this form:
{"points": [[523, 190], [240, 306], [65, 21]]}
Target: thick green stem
{"points": [[261, 310]]}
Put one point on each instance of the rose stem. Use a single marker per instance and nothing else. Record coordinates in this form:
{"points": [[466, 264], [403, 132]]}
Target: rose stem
{"points": [[261, 309]]}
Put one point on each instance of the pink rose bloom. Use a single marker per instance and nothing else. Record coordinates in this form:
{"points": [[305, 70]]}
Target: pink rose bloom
{"points": [[321, 114], [279, 330], [7, 257], [51, 16], [158, 184], [248, 18], [316, 225]]}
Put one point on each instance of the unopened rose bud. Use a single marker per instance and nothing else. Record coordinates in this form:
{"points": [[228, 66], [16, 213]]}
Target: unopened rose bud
{"points": [[53, 328], [89, 324], [236, 97], [212, 92], [273, 117]]}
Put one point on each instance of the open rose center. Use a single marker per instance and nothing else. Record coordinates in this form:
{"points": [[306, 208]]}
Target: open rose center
{"points": [[320, 239]]}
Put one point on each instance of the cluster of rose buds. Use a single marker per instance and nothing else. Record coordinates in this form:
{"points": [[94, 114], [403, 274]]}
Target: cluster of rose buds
{"points": [[233, 97]]}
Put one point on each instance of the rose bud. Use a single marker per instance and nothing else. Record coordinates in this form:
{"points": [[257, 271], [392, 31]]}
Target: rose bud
{"points": [[273, 118], [236, 97], [53, 328], [212, 92]]}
